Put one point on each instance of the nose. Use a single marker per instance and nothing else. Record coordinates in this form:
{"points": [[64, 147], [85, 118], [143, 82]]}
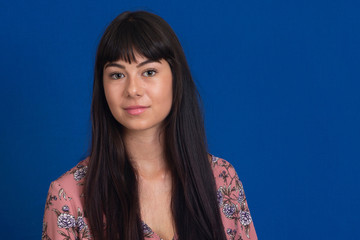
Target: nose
{"points": [[134, 87]]}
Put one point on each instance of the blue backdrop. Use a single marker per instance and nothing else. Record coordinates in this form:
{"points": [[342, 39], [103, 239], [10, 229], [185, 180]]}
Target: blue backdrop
{"points": [[279, 81]]}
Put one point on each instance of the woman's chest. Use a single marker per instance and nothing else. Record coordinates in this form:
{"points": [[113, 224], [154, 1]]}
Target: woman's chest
{"points": [[155, 210]]}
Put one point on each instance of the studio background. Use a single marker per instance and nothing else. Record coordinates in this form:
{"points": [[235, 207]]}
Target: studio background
{"points": [[279, 82]]}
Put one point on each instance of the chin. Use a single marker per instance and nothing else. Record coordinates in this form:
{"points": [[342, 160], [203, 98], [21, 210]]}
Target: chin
{"points": [[136, 127], [141, 127]]}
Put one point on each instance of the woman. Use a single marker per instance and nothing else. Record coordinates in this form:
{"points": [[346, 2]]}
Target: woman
{"points": [[148, 174]]}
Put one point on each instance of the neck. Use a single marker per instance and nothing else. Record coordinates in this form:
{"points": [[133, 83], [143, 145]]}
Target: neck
{"points": [[146, 152]]}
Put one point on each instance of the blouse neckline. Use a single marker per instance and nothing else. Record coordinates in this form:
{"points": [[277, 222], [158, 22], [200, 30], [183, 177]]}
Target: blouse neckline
{"points": [[148, 232]]}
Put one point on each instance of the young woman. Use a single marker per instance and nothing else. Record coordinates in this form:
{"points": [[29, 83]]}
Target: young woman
{"points": [[148, 174]]}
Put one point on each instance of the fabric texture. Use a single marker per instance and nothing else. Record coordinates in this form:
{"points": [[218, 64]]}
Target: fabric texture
{"points": [[64, 216]]}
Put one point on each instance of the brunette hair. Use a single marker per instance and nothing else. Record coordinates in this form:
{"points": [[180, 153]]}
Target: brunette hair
{"points": [[111, 188]]}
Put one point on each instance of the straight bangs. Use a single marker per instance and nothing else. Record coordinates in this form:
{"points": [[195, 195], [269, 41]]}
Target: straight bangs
{"points": [[134, 37]]}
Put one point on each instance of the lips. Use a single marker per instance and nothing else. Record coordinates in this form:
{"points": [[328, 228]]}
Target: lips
{"points": [[135, 110]]}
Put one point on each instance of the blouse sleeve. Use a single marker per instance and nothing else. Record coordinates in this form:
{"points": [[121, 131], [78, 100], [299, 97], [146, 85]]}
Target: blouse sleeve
{"points": [[245, 226], [59, 217], [234, 208]]}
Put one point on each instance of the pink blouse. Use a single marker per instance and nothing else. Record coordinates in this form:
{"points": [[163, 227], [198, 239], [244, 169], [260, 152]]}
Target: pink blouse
{"points": [[64, 217]]}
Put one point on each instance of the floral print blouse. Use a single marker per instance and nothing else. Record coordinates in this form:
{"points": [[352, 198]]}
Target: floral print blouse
{"points": [[64, 218]]}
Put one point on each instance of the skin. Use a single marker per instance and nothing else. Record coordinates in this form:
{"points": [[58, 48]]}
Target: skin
{"points": [[148, 84]]}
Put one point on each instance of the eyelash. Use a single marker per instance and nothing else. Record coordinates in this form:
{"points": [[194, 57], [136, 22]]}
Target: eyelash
{"points": [[150, 70], [116, 74]]}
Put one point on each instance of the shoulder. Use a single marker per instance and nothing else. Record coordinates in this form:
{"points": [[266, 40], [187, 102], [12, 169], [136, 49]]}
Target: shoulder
{"points": [[71, 183], [75, 175], [64, 215], [229, 187], [232, 202], [223, 171], [227, 181]]}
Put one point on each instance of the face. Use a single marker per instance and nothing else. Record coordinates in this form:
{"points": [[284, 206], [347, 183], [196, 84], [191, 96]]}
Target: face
{"points": [[139, 94]]}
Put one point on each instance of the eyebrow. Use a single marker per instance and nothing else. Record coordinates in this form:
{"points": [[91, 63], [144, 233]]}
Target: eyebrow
{"points": [[113, 64]]}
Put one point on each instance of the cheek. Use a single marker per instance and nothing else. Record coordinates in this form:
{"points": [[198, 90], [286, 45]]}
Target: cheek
{"points": [[167, 101], [109, 96], [163, 94], [112, 96]]}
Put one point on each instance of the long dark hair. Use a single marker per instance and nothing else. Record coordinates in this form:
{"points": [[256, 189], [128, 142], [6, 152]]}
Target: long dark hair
{"points": [[111, 188]]}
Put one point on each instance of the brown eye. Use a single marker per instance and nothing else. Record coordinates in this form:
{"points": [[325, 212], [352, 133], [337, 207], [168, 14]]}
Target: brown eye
{"points": [[117, 75], [150, 73]]}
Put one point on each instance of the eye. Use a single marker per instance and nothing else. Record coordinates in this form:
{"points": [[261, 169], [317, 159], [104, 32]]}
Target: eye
{"points": [[150, 73], [116, 75]]}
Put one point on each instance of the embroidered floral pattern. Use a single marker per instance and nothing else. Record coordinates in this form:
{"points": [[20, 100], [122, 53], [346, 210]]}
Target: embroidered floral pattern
{"points": [[70, 222], [147, 230], [245, 218], [44, 232], [232, 200], [80, 173], [80, 223], [220, 197], [64, 218], [231, 233], [73, 227], [214, 159], [241, 197], [229, 210], [65, 208]]}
